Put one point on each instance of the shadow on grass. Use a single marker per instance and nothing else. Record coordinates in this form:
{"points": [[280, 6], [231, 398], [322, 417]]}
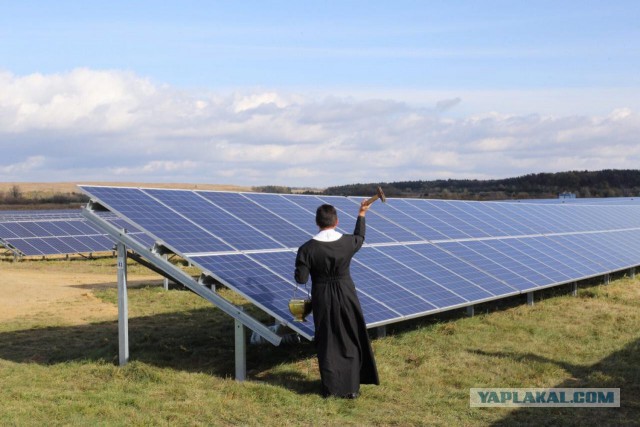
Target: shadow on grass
{"points": [[294, 381], [131, 284], [620, 370], [200, 340]]}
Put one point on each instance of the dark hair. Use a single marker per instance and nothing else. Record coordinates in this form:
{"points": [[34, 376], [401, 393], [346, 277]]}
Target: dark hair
{"points": [[326, 216]]}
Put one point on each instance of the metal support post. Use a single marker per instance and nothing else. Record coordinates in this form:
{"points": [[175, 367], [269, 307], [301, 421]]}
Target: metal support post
{"points": [[632, 272], [241, 351], [166, 280], [607, 279], [123, 310], [381, 331], [530, 298], [574, 289], [470, 310]]}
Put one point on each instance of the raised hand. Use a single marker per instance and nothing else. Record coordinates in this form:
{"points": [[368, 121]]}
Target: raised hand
{"points": [[364, 207]]}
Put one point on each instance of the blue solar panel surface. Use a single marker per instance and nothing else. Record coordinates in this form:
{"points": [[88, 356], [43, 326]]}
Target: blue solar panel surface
{"points": [[582, 201], [58, 232], [420, 256]]}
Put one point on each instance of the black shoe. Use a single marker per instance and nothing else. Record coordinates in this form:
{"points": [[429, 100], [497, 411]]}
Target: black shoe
{"points": [[355, 395]]}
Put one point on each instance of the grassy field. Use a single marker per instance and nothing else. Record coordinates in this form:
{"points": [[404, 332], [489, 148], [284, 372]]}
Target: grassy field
{"points": [[32, 189], [181, 373]]}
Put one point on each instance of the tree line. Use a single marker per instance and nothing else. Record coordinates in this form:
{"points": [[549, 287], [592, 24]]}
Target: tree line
{"points": [[604, 183]]}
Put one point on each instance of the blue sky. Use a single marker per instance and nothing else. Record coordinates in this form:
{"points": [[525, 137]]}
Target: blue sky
{"points": [[481, 89]]}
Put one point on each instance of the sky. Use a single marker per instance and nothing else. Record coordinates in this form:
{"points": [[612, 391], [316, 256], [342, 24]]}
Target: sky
{"points": [[314, 94]]}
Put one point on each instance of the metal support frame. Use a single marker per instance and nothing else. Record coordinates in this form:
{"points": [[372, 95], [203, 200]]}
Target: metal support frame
{"points": [[574, 289], [470, 310], [240, 350], [17, 255], [165, 282], [208, 282], [245, 320], [632, 272], [530, 300], [123, 306], [607, 279], [381, 331]]}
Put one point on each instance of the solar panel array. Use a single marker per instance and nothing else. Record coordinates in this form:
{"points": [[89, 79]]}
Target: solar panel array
{"points": [[420, 256], [57, 232], [43, 213], [584, 200]]}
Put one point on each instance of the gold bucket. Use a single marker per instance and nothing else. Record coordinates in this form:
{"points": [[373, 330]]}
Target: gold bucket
{"points": [[300, 307]]}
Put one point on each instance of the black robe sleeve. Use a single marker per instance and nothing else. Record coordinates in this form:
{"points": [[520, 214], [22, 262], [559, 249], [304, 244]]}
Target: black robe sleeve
{"points": [[301, 274], [358, 233]]}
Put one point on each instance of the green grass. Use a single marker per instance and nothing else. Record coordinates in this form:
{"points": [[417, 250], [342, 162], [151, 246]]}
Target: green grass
{"points": [[182, 366]]}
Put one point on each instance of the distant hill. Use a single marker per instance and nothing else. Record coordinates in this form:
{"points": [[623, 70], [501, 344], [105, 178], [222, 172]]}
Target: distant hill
{"points": [[604, 183]]}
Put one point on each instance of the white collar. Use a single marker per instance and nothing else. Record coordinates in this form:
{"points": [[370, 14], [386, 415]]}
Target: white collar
{"points": [[328, 235]]}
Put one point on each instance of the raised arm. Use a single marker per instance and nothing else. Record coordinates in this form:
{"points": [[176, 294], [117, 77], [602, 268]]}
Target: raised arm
{"points": [[360, 228]]}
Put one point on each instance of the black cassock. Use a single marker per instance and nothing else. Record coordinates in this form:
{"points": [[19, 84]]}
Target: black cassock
{"points": [[344, 350]]}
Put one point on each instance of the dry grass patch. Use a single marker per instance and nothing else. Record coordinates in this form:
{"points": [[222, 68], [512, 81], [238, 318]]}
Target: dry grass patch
{"points": [[46, 188]]}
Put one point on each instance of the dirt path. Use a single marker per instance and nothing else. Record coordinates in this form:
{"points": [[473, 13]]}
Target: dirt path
{"points": [[64, 295]]}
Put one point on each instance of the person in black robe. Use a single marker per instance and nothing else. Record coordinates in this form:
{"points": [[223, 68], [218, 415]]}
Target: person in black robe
{"points": [[344, 350]]}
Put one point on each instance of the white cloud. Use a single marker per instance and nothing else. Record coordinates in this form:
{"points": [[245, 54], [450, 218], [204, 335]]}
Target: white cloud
{"points": [[113, 125], [155, 167], [253, 101], [85, 100], [26, 166]]}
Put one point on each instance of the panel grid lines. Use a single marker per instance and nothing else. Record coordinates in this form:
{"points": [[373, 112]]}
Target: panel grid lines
{"points": [[32, 233], [420, 256]]}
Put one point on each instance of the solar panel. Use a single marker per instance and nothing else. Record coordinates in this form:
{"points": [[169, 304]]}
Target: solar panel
{"points": [[38, 214], [414, 209], [259, 218], [613, 201], [505, 271], [394, 213], [286, 209], [161, 222], [409, 279], [33, 233], [420, 256], [231, 230]]}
